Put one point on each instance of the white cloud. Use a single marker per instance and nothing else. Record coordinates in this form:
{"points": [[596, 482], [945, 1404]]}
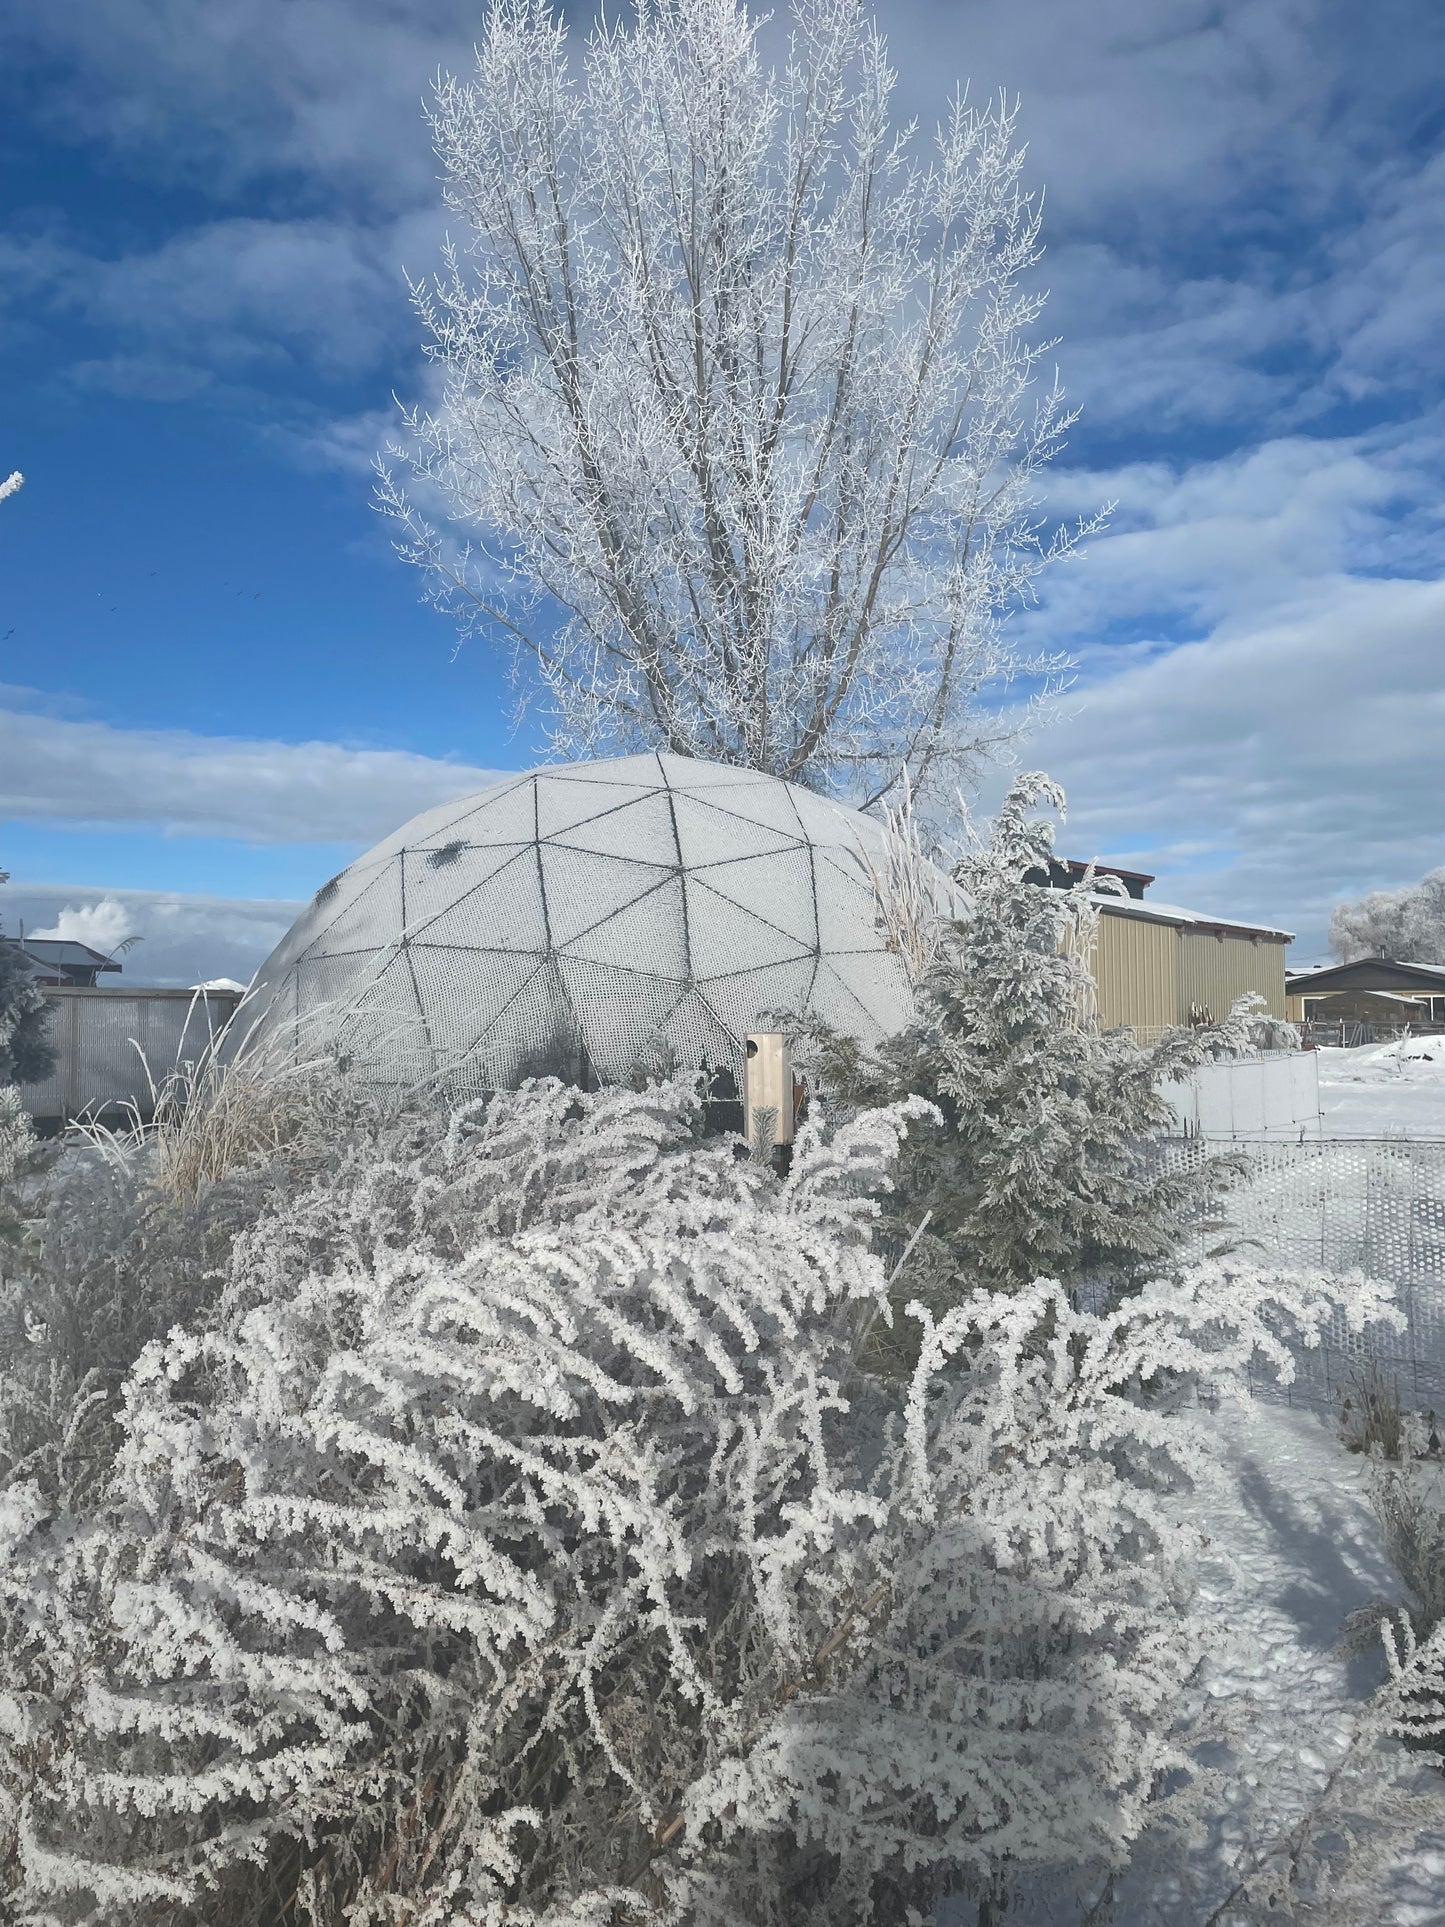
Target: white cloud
{"points": [[235, 296], [325, 90], [1274, 769], [57, 769], [104, 924]]}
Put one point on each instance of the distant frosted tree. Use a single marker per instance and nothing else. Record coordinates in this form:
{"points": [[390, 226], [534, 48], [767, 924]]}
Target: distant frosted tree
{"points": [[1407, 925], [735, 380]]}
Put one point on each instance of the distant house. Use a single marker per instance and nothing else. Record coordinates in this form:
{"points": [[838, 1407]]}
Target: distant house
{"points": [[61, 964], [1371, 990], [1157, 964]]}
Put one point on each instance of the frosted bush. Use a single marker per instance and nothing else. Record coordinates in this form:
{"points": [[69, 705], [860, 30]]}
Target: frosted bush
{"points": [[516, 1539]]}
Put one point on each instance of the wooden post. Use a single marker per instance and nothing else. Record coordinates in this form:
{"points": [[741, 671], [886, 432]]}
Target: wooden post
{"points": [[768, 1092]]}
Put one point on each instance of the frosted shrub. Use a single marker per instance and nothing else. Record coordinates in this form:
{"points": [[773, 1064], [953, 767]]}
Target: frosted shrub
{"points": [[517, 1540]]}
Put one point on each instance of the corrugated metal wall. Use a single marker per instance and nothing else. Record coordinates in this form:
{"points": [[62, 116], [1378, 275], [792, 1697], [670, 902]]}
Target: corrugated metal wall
{"points": [[1136, 967], [1215, 970]]}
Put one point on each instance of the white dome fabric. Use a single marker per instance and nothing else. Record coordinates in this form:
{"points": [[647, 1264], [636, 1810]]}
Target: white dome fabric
{"points": [[572, 919]]}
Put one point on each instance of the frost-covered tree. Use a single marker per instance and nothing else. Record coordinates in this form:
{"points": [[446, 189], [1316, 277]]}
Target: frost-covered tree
{"points": [[1042, 1161], [735, 431], [1406, 925], [516, 1540], [26, 1053]]}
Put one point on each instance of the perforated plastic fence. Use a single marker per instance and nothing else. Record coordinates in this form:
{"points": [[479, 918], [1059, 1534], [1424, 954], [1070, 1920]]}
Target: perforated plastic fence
{"points": [[1344, 1204], [111, 1044], [580, 919]]}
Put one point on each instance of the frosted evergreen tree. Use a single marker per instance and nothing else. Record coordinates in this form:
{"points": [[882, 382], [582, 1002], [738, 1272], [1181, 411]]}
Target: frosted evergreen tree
{"points": [[1042, 1162], [26, 1053]]}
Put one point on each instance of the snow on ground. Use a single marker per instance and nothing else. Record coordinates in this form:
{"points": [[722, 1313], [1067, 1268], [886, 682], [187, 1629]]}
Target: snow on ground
{"points": [[1294, 1549], [1384, 1090], [1304, 1550]]}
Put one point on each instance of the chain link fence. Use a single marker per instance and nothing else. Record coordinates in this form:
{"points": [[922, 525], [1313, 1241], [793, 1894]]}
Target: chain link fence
{"points": [[1372, 1205]]}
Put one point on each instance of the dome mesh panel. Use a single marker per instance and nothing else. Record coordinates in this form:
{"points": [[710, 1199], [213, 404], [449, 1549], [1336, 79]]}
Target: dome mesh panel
{"points": [[580, 920]]}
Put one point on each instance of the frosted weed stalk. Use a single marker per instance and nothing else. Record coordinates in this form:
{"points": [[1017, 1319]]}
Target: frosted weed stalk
{"points": [[511, 1537], [254, 1093]]}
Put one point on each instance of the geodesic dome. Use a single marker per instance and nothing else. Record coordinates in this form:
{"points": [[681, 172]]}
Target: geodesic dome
{"points": [[580, 919]]}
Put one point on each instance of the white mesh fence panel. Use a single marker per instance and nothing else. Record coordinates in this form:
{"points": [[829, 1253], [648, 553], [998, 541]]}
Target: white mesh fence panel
{"points": [[1341, 1205]]}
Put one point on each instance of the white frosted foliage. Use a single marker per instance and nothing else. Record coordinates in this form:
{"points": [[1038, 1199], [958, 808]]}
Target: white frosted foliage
{"points": [[517, 1541]]}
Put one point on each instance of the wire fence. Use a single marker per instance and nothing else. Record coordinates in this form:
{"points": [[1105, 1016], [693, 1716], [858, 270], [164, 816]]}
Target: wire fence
{"points": [[1341, 1205]]}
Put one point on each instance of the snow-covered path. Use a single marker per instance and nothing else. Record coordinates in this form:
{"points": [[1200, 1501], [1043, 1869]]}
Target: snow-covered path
{"points": [[1304, 1548], [1294, 1549]]}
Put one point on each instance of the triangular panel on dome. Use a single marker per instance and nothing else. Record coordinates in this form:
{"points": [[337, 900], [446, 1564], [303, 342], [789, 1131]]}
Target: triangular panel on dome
{"points": [[639, 827], [700, 1037], [385, 1027], [765, 801], [708, 832], [501, 911], [622, 1015], [872, 982], [433, 880], [828, 823], [583, 888], [506, 813], [646, 934], [566, 797], [463, 992], [535, 1034], [725, 937], [847, 860], [357, 910], [777, 889], [744, 1000], [328, 987], [435, 825], [847, 906], [693, 773]]}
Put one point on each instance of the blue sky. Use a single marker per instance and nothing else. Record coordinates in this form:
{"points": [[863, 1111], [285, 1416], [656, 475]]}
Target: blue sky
{"points": [[217, 684]]}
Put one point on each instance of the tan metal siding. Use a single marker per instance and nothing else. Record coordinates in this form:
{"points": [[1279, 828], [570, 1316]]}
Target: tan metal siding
{"points": [[1136, 967], [1213, 971]]}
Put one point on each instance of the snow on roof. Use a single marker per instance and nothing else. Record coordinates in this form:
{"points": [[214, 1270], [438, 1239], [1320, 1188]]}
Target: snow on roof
{"points": [[1176, 913], [1299, 979]]}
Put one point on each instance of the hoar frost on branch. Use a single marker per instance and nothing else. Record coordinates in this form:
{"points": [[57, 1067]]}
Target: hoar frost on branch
{"points": [[737, 379], [516, 1540]]}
